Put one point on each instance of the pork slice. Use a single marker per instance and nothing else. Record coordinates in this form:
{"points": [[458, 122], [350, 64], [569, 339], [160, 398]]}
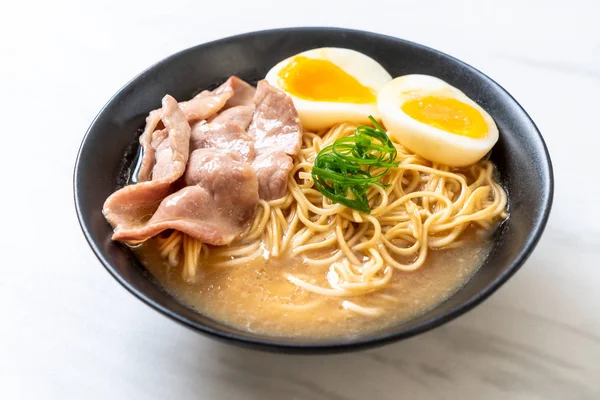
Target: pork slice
{"points": [[243, 92], [202, 106], [239, 115], [163, 154], [272, 170], [233, 93], [275, 125], [216, 207], [227, 136], [134, 204], [158, 137], [205, 104], [148, 152], [232, 184]]}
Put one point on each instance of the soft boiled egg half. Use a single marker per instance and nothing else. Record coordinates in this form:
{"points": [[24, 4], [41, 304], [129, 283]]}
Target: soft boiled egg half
{"points": [[436, 120], [330, 85]]}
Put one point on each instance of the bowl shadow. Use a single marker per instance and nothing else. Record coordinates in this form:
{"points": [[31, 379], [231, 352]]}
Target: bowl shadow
{"points": [[496, 349]]}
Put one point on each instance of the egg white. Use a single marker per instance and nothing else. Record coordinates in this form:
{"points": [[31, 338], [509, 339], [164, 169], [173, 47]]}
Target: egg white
{"points": [[316, 115], [434, 144]]}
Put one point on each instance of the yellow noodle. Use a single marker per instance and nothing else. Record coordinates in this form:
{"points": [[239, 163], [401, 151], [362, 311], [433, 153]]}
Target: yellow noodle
{"points": [[423, 206], [364, 311]]}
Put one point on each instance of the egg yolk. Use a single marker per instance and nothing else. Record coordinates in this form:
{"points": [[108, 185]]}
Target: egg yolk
{"points": [[322, 80], [448, 114]]}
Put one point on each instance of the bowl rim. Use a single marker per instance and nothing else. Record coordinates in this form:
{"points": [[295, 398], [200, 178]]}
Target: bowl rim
{"points": [[336, 344]]}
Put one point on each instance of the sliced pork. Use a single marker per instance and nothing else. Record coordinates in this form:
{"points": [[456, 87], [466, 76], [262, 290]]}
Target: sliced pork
{"points": [[223, 136], [163, 154], [132, 205], [206, 180], [217, 205], [275, 125], [205, 105], [272, 170], [148, 156], [243, 92], [232, 93], [239, 115]]}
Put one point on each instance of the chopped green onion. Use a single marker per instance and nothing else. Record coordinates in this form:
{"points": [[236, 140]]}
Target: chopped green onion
{"points": [[342, 171]]}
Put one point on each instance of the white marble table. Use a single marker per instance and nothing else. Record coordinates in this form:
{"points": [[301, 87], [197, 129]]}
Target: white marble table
{"points": [[69, 331]]}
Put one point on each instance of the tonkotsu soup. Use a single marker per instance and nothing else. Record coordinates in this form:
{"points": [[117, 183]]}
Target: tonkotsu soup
{"points": [[328, 201], [256, 297]]}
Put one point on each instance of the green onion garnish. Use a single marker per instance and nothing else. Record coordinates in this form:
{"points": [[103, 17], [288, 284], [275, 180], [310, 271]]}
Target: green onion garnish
{"points": [[342, 171]]}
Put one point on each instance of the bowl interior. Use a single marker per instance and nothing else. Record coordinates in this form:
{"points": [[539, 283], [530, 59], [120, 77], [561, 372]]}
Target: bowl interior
{"points": [[520, 155]]}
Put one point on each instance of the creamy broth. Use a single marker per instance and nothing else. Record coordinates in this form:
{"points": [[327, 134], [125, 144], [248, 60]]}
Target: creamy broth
{"points": [[256, 297]]}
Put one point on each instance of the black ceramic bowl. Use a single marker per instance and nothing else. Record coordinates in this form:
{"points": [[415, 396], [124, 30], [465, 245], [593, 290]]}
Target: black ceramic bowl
{"points": [[521, 157]]}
